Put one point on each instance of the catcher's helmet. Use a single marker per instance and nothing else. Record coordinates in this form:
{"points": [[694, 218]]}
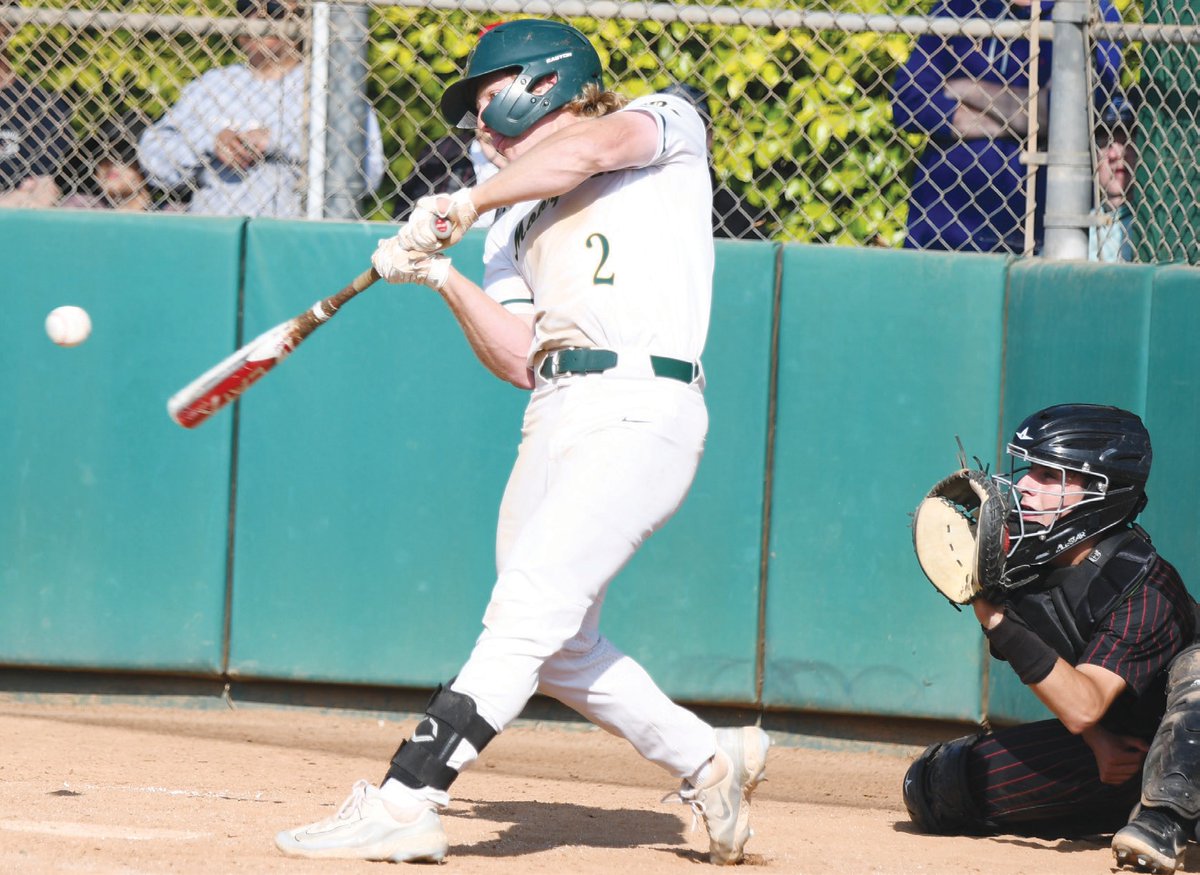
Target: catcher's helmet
{"points": [[534, 50], [1109, 446]]}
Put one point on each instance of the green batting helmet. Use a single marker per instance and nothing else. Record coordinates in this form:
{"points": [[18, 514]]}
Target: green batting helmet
{"points": [[533, 49]]}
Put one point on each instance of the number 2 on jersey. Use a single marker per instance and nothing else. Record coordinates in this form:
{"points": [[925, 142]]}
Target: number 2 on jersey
{"points": [[598, 280]]}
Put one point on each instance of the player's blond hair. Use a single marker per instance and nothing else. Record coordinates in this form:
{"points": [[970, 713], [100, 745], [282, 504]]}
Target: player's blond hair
{"points": [[595, 102]]}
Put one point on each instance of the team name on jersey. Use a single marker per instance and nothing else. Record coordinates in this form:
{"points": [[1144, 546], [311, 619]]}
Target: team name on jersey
{"points": [[525, 224]]}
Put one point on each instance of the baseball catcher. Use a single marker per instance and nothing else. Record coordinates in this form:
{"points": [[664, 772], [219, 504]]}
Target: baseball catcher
{"points": [[1068, 590]]}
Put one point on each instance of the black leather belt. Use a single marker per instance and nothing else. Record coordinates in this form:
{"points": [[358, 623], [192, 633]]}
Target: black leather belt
{"points": [[580, 360]]}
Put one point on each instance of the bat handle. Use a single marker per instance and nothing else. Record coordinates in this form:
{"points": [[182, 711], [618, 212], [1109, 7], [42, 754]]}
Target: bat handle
{"points": [[325, 308]]}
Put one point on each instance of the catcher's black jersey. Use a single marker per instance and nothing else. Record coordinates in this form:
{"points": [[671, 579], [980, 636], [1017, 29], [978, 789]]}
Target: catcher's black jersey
{"points": [[1138, 641], [1131, 615]]}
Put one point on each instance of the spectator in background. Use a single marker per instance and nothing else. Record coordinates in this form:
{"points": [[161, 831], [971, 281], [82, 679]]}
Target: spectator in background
{"points": [[732, 216], [236, 133], [460, 159], [1116, 158], [35, 137], [971, 98], [107, 174]]}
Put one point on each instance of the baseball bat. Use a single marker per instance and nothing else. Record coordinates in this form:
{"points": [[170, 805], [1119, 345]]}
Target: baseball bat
{"points": [[227, 380]]}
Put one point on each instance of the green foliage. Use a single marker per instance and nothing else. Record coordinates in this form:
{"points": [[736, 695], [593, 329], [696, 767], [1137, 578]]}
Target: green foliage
{"points": [[802, 121], [104, 72]]}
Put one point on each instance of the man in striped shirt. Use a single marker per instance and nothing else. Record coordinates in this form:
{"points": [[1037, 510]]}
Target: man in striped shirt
{"points": [[1100, 627]]}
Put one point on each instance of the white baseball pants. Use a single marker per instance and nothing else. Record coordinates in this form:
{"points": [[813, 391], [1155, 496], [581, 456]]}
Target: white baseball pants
{"points": [[603, 462]]}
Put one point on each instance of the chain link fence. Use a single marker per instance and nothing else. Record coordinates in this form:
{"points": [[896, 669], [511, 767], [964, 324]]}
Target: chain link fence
{"points": [[852, 122]]}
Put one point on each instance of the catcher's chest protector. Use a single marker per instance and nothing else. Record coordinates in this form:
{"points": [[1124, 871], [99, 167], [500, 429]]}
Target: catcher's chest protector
{"points": [[1065, 609]]}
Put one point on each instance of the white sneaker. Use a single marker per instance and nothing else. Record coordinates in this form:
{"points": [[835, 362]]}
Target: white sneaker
{"points": [[364, 828], [725, 806]]}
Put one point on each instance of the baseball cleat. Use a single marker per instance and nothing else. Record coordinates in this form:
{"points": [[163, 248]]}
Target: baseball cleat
{"points": [[725, 806], [1152, 841], [364, 828]]}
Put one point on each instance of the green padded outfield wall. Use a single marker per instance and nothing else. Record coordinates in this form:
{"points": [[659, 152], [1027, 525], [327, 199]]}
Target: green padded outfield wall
{"points": [[884, 357], [113, 519], [687, 605], [364, 476], [1173, 412], [371, 467]]}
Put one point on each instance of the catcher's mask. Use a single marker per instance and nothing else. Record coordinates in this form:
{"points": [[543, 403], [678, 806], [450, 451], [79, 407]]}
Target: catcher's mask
{"points": [[1108, 448], [535, 51]]}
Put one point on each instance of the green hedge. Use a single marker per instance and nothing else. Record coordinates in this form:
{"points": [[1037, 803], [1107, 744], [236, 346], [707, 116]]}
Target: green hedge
{"points": [[802, 120]]}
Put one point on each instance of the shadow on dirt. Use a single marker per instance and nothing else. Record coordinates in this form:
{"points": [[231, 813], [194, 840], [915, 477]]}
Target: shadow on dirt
{"points": [[536, 826]]}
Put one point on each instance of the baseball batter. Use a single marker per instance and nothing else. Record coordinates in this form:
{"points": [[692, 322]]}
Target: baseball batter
{"points": [[596, 296]]}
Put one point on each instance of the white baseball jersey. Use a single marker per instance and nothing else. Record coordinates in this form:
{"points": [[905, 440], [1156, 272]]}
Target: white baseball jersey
{"points": [[625, 260]]}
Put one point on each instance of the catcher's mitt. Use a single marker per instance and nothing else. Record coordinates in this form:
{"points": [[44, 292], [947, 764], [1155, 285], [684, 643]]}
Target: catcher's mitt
{"points": [[960, 535]]}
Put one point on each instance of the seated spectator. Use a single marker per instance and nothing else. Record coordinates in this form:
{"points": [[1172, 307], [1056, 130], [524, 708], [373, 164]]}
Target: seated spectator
{"points": [[732, 216], [35, 137], [971, 98], [1112, 240], [236, 134], [107, 174], [460, 159]]}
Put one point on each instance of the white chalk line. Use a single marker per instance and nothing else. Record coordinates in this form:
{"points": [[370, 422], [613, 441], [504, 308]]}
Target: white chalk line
{"points": [[167, 791], [98, 831]]}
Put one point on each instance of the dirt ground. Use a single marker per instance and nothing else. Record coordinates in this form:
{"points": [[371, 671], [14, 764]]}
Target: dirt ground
{"points": [[113, 787]]}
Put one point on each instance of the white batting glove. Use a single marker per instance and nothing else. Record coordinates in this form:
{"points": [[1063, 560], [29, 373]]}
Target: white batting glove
{"points": [[397, 264], [432, 227]]}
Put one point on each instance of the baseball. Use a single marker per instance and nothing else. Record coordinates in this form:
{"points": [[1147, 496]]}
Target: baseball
{"points": [[68, 326]]}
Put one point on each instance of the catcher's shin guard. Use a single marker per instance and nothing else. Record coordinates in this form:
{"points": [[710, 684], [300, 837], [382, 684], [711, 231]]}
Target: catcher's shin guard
{"points": [[937, 792], [450, 718], [1172, 772]]}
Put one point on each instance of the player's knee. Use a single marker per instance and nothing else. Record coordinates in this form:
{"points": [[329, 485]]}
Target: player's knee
{"points": [[937, 790], [450, 719], [1171, 775], [1183, 679]]}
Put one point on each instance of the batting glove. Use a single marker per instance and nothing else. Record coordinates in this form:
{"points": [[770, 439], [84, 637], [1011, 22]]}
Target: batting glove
{"points": [[431, 228], [398, 264]]}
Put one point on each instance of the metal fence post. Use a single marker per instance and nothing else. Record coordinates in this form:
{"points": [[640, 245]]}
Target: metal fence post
{"points": [[347, 110], [1069, 147]]}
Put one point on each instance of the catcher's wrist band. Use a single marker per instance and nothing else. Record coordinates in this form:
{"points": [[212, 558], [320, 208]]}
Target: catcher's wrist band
{"points": [[1030, 657]]}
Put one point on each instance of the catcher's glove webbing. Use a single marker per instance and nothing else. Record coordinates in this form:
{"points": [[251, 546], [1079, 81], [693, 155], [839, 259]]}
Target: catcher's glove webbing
{"points": [[959, 535]]}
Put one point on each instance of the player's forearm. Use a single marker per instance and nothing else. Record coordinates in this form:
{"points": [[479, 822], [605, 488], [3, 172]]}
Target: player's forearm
{"points": [[1078, 696], [1073, 697], [972, 124], [566, 158], [499, 339], [988, 109]]}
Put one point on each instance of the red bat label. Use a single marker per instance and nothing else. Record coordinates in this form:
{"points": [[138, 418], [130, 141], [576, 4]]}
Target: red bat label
{"points": [[218, 387]]}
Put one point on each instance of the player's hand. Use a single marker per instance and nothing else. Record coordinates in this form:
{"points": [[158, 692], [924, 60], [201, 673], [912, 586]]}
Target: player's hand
{"points": [[232, 149], [987, 612], [34, 191], [255, 141], [438, 221], [397, 264], [1118, 757]]}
